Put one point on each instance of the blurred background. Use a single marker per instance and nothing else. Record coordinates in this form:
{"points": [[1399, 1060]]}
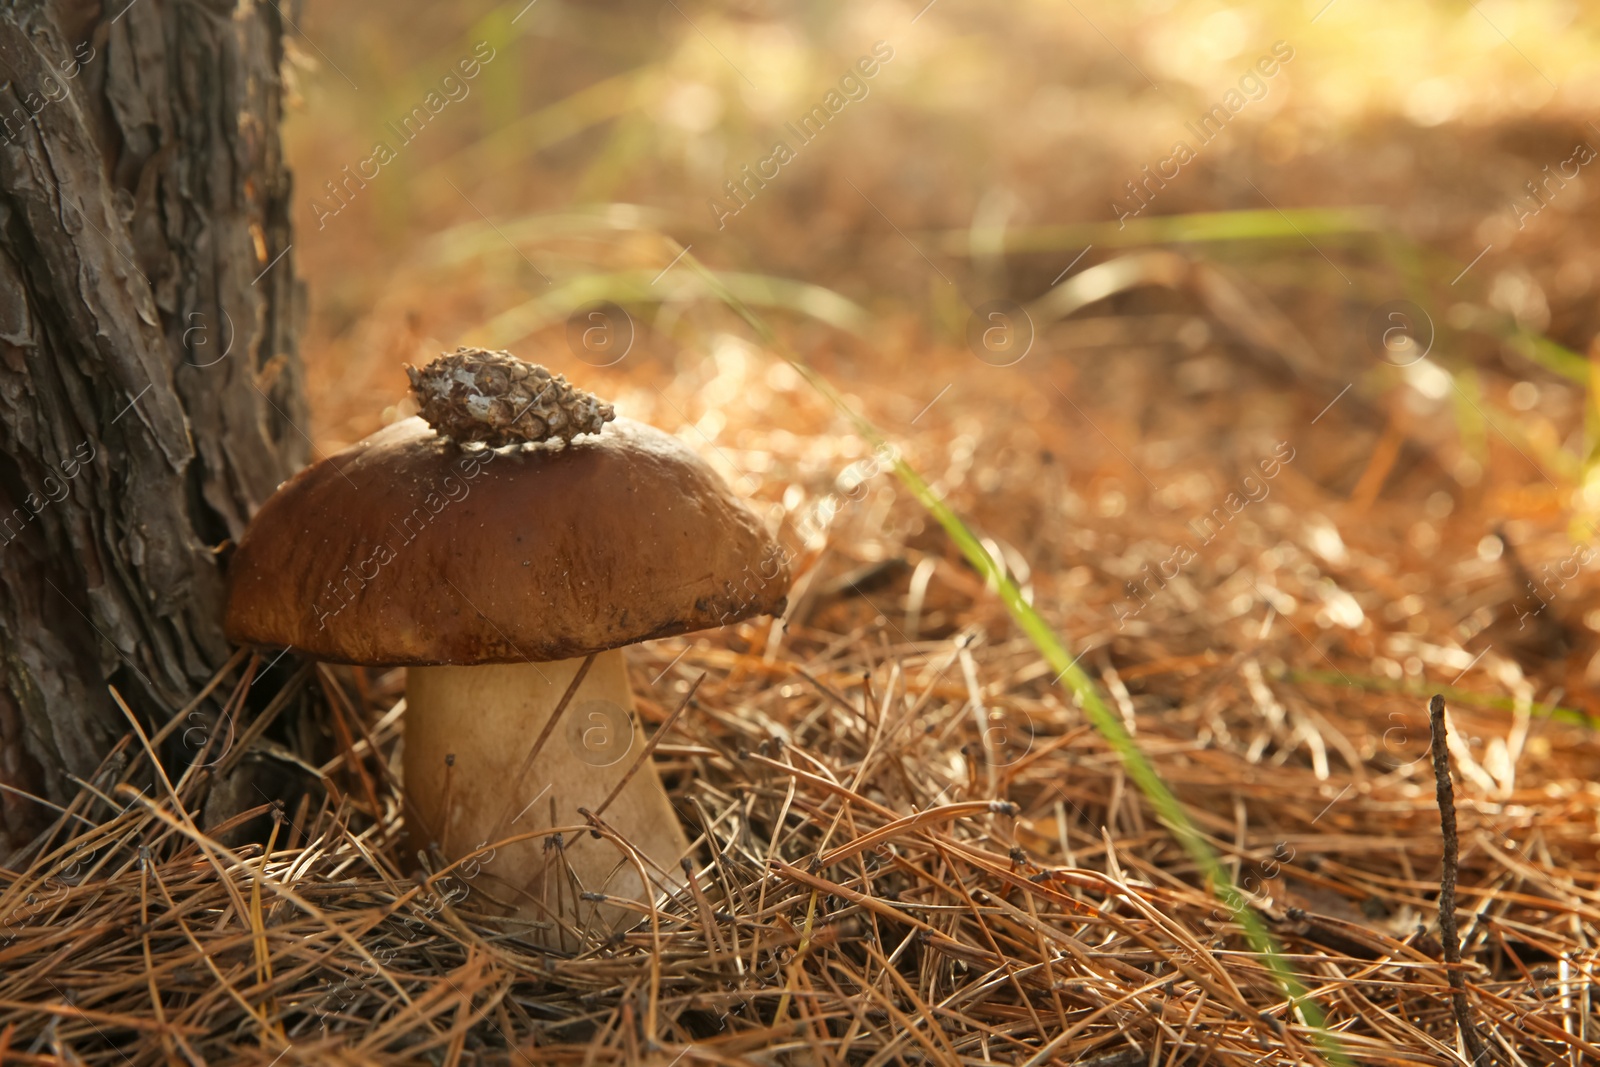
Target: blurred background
{"points": [[1361, 232], [1026, 118]]}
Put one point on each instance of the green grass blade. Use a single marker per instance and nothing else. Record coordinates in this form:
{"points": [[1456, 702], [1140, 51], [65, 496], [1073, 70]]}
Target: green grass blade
{"points": [[525, 134], [1265, 224], [1455, 695], [477, 240], [1550, 355], [647, 287]]}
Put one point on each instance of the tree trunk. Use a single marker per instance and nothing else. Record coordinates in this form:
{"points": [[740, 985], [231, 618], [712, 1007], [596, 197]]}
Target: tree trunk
{"points": [[150, 391]]}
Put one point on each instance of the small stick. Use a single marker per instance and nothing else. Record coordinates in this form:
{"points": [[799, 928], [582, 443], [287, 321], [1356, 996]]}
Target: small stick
{"points": [[449, 780], [650, 746], [708, 922], [1449, 934]]}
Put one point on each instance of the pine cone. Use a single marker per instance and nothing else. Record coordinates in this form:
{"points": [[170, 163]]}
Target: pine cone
{"points": [[494, 397]]}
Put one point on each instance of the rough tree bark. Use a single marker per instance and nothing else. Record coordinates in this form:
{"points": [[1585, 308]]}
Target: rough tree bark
{"points": [[150, 392]]}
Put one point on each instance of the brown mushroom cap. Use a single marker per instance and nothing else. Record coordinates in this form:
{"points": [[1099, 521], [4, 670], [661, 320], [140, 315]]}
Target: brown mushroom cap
{"points": [[406, 549]]}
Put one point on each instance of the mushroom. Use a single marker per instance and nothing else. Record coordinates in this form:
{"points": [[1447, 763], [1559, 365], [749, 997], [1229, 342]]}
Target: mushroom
{"points": [[501, 555]]}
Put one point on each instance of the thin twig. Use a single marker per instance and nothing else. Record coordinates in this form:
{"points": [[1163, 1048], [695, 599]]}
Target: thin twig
{"points": [[650, 747], [1449, 935], [515, 792]]}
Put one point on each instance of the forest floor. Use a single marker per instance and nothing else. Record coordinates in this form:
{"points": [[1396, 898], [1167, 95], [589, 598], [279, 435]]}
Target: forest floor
{"points": [[1268, 530]]}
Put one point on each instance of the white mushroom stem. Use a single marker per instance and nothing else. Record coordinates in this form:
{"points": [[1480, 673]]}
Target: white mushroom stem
{"points": [[468, 734]]}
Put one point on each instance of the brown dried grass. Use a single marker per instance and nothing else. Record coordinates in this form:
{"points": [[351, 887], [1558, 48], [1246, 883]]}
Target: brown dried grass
{"points": [[879, 878]]}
